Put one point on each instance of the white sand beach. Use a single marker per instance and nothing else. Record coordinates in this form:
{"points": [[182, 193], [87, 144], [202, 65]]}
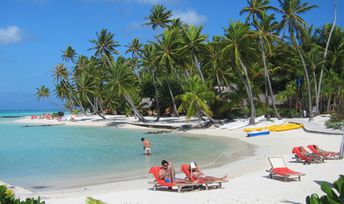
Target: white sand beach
{"points": [[248, 182]]}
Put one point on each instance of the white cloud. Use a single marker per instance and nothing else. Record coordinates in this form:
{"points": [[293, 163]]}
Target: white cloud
{"points": [[190, 17], [10, 34]]}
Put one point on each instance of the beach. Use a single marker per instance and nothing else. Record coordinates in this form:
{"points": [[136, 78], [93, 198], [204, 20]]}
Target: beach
{"points": [[248, 178]]}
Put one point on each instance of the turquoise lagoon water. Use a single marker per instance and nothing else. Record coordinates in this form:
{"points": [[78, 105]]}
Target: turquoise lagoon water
{"points": [[65, 156], [18, 113]]}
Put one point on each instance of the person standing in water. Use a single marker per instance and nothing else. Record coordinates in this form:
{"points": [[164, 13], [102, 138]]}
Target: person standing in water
{"points": [[146, 146]]}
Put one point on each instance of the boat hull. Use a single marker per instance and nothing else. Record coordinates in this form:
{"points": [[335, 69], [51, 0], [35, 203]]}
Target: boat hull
{"points": [[258, 133]]}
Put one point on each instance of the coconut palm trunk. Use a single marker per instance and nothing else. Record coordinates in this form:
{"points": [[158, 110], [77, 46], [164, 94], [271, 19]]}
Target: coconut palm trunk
{"points": [[266, 72], [318, 92], [99, 101], [133, 107], [249, 92], [77, 99], [198, 66], [130, 101], [308, 84], [94, 108], [210, 118], [175, 110], [328, 108], [156, 98]]}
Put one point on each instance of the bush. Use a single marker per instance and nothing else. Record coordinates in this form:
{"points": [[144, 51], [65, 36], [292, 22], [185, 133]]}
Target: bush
{"points": [[338, 115], [61, 114], [288, 113], [334, 125], [333, 196], [7, 197], [240, 113], [90, 200], [261, 111], [337, 118]]}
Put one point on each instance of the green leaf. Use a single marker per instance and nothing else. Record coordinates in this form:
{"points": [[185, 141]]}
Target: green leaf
{"points": [[90, 200], [328, 190], [313, 199], [339, 185]]}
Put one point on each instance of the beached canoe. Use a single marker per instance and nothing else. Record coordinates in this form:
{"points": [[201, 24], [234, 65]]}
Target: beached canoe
{"points": [[285, 127], [258, 133], [275, 128]]}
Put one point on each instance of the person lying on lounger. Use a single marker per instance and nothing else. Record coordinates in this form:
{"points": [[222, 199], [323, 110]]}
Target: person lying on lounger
{"points": [[309, 156], [324, 153], [168, 173], [196, 173]]}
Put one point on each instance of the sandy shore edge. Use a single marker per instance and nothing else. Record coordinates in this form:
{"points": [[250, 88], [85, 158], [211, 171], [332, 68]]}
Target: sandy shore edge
{"points": [[247, 174]]}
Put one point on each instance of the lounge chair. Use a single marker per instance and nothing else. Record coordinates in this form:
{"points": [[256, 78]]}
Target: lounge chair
{"points": [[207, 184], [161, 183], [325, 155], [279, 168], [310, 158], [185, 169]]}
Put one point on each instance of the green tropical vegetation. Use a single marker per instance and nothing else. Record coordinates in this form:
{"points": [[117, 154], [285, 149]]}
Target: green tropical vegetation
{"points": [[7, 197], [90, 200], [274, 64], [334, 193]]}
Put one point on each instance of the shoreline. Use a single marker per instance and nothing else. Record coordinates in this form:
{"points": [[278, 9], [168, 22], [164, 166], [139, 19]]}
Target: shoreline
{"points": [[93, 180], [245, 173]]}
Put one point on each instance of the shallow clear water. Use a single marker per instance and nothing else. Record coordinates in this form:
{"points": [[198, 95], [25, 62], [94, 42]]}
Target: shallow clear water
{"points": [[57, 156]]}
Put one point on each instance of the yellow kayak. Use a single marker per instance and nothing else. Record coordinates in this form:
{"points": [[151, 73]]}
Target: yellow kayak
{"points": [[275, 128], [285, 127]]}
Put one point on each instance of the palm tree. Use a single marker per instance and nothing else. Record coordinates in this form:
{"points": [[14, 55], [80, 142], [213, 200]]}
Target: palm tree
{"points": [[256, 8], [61, 92], [292, 21], [237, 44], [313, 54], [213, 62], [167, 53], [266, 27], [69, 54], [195, 98], [43, 92], [105, 45], [193, 42], [86, 86], [120, 81], [318, 91], [135, 48], [265, 33], [216, 68], [149, 61], [159, 17], [61, 75]]}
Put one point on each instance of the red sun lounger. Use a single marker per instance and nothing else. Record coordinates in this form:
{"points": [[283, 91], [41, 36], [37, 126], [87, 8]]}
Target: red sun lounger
{"points": [[325, 155], [214, 184], [279, 168], [161, 183], [309, 158]]}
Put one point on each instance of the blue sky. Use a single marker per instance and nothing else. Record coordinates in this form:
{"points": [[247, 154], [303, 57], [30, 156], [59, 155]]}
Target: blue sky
{"points": [[33, 34]]}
